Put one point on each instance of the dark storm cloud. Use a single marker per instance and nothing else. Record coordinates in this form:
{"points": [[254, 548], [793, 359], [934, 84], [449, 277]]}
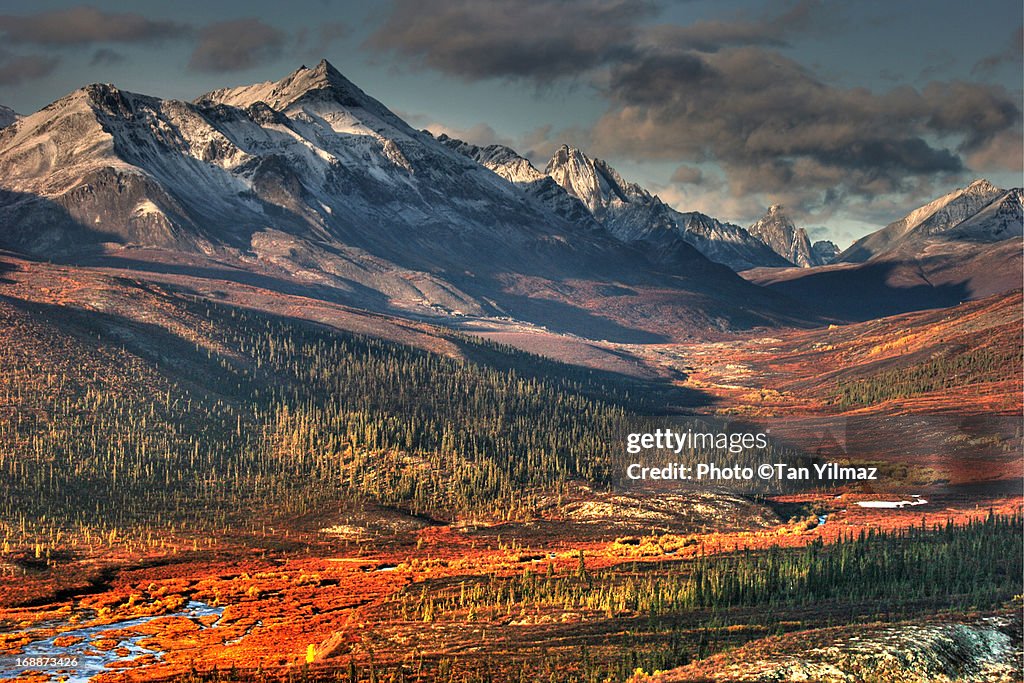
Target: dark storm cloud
{"points": [[909, 155], [236, 45], [83, 25], [647, 79], [721, 91], [16, 69], [540, 40], [771, 124]]}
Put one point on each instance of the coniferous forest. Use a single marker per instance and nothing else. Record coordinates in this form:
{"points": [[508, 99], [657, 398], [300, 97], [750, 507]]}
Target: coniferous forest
{"points": [[262, 411], [977, 565], [112, 430], [959, 369], [298, 387]]}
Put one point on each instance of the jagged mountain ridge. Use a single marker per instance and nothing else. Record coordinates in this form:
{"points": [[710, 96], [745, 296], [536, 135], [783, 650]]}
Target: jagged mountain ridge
{"points": [[631, 213], [962, 246], [313, 180], [826, 251], [998, 220], [940, 219], [519, 171], [591, 192], [791, 243]]}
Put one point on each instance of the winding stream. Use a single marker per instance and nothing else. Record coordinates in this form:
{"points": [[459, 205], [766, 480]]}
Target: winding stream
{"points": [[90, 660]]}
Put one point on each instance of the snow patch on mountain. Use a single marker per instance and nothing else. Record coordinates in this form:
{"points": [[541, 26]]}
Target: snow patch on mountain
{"points": [[632, 214], [942, 218]]}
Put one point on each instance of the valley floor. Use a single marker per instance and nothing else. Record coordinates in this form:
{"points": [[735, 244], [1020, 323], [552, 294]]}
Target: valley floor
{"points": [[320, 601], [589, 584]]}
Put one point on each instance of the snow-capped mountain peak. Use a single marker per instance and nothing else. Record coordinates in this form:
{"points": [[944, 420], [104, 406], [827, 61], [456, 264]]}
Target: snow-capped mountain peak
{"points": [[999, 220], [313, 182], [938, 219], [318, 95], [981, 186], [299, 83], [503, 160], [632, 214], [592, 181], [591, 194]]}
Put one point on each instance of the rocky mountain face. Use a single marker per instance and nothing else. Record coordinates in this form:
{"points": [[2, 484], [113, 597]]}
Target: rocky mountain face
{"points": [[788, 241], [962, 246], [626, 210], [7, 116], [826, 251], [518, 170], [979, 213], [1000, 219], [728, 243], [632, 214], [311, 180]]}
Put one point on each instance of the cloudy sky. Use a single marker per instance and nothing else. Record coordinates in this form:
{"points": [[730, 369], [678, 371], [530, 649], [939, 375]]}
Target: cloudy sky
{"points": [[849, 114]]}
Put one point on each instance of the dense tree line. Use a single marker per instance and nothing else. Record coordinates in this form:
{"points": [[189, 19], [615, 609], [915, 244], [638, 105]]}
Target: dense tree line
{"points": [[970, 366], [976, 565], [259, 410]]}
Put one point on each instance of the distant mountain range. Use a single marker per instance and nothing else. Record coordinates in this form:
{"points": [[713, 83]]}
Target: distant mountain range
{"points": [[310, 182], [626, 210], [963, 245], [979, 213]]}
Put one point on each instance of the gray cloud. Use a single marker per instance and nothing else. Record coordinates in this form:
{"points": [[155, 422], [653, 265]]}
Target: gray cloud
{"points": [[720, 94], [480, 134], [16, 69], [770, 30], [83, 25], [818, 232], [976, 111], [1004, 152], [541, 40], [236, 45], [1013, 54], [688, 175], [711, 36], [772, 126], [106, 56]]}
